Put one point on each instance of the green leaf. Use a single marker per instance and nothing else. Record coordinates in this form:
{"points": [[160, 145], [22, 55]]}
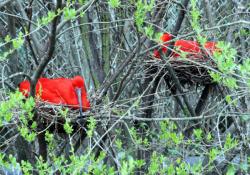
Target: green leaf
{"points": [[229, 142], [198, 134], [47, 19], [154, 164], [149, 32], [24, 131], [48, 136], [81, 2], [51, 15], [231, 170], [171, 169], [215, 76], [118, 143], [68, 128], [140, 163], [26, 167], [209, 137], [7, 38], [18, 42], [158, 37], [91, 126], [69, 13], [230, 82], [213, 153], [114, 3], [8, 116], [34, 125], [245, 67], [197, 168], [202, 40], [31, 137], [228, 99], [64, 112]]}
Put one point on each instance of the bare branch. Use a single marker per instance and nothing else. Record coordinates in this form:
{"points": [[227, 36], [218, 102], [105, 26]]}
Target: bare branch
{"points": [[45, 61], [5, 3]]}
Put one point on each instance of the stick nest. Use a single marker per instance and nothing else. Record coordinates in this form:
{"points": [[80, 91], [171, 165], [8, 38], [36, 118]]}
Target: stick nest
{"points": [[188, 71]]}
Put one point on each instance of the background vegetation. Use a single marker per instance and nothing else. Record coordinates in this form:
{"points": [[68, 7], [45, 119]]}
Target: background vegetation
{"points": [[147, 116]]}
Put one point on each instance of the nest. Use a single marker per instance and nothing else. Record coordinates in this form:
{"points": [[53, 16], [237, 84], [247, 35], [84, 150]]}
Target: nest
{"points": [[51, 117], [188, 71]]}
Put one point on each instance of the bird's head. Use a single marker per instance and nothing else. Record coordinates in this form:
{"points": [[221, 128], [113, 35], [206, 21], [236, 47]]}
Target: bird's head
{"points": [[24, 87], [78, 82], [166, 37], [79, 86]]}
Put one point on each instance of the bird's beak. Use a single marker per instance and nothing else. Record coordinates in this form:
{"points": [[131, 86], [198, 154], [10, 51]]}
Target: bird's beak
{"points": [[79, 97]]}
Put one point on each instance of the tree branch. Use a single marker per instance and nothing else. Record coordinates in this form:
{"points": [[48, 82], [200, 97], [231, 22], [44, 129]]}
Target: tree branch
{"points": [[46, 60], [83, 8], [4, 3], [107, 84], [171, 46], [34, 79]]}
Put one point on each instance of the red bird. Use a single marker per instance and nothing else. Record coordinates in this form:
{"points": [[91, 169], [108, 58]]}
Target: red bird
{"points": [[191, 48], [70, 92]]}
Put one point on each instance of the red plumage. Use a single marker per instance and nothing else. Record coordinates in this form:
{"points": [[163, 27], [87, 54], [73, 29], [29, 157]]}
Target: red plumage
{"points": [[191, 48], [59, 91]]}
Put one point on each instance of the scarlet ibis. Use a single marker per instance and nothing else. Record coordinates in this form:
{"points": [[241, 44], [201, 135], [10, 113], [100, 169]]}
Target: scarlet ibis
{"points": [[191, 48], [69, 92]]}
